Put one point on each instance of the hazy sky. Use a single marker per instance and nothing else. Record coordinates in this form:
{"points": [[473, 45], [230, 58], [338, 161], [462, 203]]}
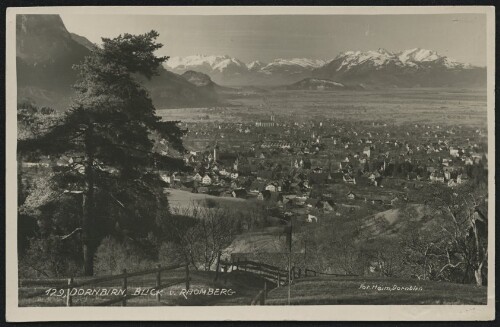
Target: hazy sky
{"points": [[458, 36]]}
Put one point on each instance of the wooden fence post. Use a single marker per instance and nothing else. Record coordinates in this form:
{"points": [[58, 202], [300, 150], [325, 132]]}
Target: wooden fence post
{"points": [[300, 273], [158, 283], [124, 288], [187, 276], [69, 300], [225, 273], [278, 279]]}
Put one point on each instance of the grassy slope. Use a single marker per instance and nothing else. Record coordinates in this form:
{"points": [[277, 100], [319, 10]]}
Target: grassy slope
{"points": [[346, 290]]}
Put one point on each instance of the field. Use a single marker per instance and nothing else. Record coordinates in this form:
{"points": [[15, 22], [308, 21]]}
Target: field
{"points": [[180, 200], [418, 106], [361, 290]]}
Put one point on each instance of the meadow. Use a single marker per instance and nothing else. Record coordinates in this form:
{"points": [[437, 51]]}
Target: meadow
{"points": [[375, 290], [392, 106]]}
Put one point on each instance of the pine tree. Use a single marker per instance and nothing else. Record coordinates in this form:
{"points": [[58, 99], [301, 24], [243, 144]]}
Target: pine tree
{"points": [[109, 135]]}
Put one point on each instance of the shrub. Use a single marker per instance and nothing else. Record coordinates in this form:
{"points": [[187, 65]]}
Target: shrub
{"points": [[112, 256], [170, 253], [49, 257]]}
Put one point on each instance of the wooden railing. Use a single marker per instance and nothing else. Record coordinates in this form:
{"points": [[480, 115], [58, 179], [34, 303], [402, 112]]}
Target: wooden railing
{"points": [[271, 273], [71, 284]]}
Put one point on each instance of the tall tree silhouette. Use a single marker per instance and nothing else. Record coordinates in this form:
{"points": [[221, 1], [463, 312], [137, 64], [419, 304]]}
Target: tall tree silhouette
{"points": [[109, 133]]}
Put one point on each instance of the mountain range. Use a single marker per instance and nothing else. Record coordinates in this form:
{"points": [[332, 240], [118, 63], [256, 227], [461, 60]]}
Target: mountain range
{"points": [[226, 70], [46, 53], [376, 68], [409, 68]]}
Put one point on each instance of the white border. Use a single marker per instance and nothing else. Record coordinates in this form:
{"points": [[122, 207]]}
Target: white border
{"points": [[312, 313]]}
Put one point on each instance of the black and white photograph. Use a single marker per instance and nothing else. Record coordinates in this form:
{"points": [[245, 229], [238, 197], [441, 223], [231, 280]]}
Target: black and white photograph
{"points": [[315, 158]]}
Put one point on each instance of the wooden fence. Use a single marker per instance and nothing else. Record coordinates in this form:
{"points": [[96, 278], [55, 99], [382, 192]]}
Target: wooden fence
{"points": [[124, 295], [273, 274]]}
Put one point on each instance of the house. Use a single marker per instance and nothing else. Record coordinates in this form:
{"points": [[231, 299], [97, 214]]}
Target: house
{"points": [[351, 196], [206, 180], [367, 151], [239, 193], [447, 175], [310, 218], [437, 177], [326, 205], [272, 187], [454, 152], [175, 177], [197, 177], [349, 179], [35, 164], [317, 170], [165, 177], [64, 161], [234, 175]]}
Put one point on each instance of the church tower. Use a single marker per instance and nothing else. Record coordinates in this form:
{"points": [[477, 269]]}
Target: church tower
{"points": [[216, 148]]}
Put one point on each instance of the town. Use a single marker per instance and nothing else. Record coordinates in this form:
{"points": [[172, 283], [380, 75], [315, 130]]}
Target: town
{"points": [[326, 166]]}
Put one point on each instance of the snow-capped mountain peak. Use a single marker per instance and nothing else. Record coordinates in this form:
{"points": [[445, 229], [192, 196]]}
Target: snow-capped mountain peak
{"points": [[200, 60], [375, 58], [418, 55], [411, 58], [256, 65], [227, 70], [408, 68]]}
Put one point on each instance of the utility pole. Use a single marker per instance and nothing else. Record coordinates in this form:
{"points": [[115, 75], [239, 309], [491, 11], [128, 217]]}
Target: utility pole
{"points": [[290, 260], [305, 253]]}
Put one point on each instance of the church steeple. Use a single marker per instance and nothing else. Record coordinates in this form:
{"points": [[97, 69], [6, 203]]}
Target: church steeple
{"points": [[216, 147]]}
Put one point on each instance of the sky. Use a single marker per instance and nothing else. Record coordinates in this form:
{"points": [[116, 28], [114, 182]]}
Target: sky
{"points": [[266, 37]]}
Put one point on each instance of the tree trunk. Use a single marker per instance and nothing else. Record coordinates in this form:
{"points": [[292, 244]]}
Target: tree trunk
{"points": [[88, 248], [88, 209], [479, 276], [217, 266]]}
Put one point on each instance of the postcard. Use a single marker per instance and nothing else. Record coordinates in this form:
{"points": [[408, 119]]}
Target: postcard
{"points": [[250, 163]]}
